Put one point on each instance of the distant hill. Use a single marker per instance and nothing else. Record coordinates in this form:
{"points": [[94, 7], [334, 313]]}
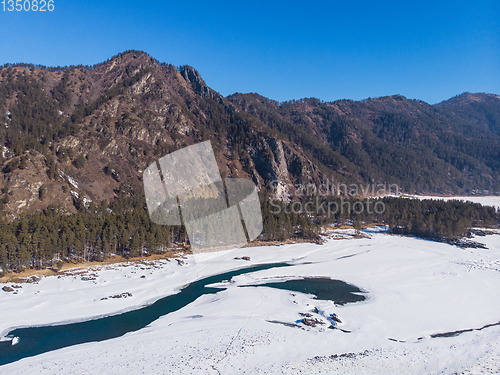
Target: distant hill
{"points": [[450, 147], [91, 131]]}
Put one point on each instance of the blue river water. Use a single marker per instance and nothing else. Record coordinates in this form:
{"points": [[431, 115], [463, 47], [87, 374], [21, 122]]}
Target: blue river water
{"points": [[32, 341]]}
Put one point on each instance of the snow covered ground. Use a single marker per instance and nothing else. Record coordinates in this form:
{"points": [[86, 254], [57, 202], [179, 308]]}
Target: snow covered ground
{"points": [[485, 200], [416, 288]]}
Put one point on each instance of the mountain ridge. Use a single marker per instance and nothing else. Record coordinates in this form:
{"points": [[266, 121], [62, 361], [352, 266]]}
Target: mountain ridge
{"points": [[101, 126]]}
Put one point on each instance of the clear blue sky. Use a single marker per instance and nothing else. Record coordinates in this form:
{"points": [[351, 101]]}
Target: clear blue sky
{"points": [[282, 49]]}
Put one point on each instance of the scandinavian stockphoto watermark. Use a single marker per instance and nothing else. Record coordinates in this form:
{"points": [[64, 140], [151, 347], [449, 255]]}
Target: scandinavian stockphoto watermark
{"points": [[185, 188], [330, 198]]}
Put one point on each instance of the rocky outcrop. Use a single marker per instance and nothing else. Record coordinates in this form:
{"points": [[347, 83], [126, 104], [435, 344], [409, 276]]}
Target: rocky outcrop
{"points": [[192, 76], [121, 295], [199, 86], [269, 160]]}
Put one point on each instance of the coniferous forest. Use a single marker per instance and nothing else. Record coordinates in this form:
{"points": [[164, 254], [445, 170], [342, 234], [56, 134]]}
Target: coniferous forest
{"points": [[48, 238]]}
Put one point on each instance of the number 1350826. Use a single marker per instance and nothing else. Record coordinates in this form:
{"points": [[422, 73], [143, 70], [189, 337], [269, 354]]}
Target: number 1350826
{"points": [[27, 5]]}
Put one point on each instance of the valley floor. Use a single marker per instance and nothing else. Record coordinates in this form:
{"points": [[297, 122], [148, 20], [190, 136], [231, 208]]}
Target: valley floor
{"points": [[485, 200], [416, 288]]}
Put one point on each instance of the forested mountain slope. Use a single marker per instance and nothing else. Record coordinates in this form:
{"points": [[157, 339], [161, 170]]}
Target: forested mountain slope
{"points": [[86, 133], [453, 146], [91, 131], [77, 139]]}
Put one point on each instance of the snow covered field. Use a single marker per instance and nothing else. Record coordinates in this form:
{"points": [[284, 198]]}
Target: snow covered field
{"points": [[416, 288], [485, 200]]}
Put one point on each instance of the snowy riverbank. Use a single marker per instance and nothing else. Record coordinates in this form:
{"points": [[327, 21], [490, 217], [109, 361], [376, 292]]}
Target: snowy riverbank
{"points": [[416, 289]]}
